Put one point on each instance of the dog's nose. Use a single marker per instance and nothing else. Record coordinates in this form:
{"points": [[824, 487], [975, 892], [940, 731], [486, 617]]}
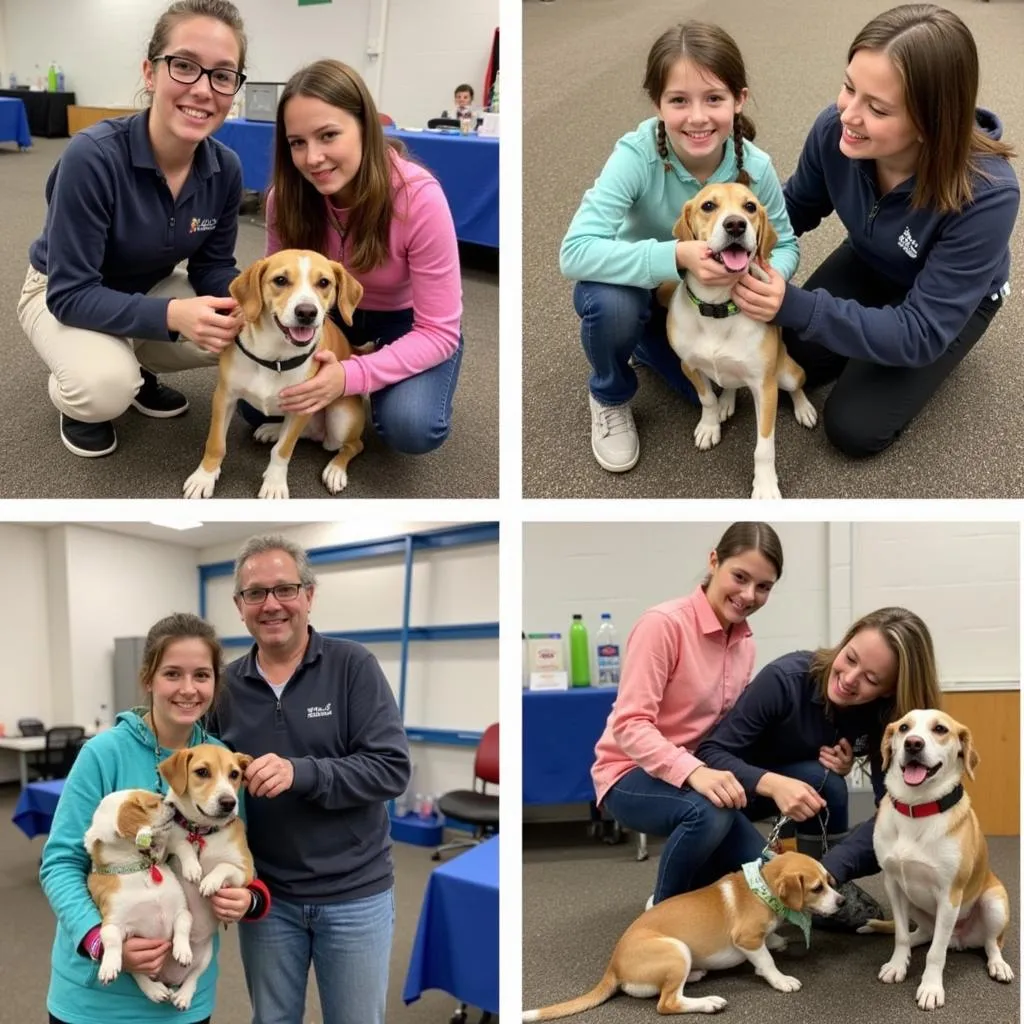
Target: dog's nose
{"points": [[913, 744], [227, 803], [734, 226], [305, 313]]}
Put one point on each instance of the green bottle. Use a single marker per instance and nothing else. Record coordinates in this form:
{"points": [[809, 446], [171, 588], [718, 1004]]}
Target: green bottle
{"points": [[579, 652]]}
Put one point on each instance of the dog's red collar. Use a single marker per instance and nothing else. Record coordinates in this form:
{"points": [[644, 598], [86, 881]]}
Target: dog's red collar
{"points": [[932, 807]]}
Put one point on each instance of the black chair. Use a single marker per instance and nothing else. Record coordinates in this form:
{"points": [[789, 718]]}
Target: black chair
{"points": [[443, 122], [62, 745], [475, 807], [31, 727]]}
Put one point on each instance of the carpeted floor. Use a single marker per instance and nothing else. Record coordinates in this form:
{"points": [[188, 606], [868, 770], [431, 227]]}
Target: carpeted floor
{"points": [[583, 64], [155, 456], [27, 923], [579, 896]]}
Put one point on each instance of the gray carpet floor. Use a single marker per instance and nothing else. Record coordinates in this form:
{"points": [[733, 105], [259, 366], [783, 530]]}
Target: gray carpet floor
{"points": [[27, 923], [579, 896], [155, 456], [583, 64]]}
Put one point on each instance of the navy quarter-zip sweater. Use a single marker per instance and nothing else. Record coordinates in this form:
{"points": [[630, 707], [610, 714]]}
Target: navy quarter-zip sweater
{"points": [[780, 719], [113, 230], [949, 262], [327, 839]]}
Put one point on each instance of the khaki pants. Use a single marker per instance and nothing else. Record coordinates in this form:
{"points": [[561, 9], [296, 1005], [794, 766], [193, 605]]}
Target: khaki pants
{"points": [[95, 376]]}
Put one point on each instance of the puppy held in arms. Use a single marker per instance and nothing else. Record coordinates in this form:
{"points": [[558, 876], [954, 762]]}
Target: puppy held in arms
{"points": [[715, 341], [285, 299], [135, 891]]}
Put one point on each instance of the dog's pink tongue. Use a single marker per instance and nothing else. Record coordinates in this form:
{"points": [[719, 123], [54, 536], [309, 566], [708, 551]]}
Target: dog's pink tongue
{"points": [[301, 334], [735, 259], [914, 774]]}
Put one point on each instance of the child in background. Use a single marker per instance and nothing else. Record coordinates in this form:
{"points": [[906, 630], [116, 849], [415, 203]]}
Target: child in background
{"points": [[463, 102]]}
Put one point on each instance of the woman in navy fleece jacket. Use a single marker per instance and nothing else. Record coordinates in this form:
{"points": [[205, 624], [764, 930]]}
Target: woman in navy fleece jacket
{"points": [[922, 183]]}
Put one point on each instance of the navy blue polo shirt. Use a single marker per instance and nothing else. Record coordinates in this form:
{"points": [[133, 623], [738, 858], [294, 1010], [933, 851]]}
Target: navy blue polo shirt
{"points": [[113, 230]]}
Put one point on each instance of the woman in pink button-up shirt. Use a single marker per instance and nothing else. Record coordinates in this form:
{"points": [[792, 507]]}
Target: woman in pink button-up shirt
{"points": [[687, 662]]}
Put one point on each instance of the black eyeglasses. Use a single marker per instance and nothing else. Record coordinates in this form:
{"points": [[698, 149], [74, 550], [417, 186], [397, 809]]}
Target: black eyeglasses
{"points": [[283, 592], [186, 71]]}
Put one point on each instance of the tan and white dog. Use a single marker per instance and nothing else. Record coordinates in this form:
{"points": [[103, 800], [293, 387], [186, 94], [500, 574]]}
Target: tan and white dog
{"points": [[127, 841], [719, 926], [208, 841], [716, 342], [933, 854], [284, 299]]}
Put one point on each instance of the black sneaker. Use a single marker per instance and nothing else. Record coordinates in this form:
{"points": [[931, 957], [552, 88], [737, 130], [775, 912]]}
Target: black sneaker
{"points": [[90, 440], [158, 400], [858, 909]]}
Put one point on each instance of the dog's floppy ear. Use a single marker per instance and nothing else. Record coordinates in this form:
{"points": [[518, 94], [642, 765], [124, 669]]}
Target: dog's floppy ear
{"points": [[683, 229], [350, 292], [766, 235], [247, 290], [967, 751], [887, 745], [175, 769], [244, 760], [133, 814], [791, 890]]}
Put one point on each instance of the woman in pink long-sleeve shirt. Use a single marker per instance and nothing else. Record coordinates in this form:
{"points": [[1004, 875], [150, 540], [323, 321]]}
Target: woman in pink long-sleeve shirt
{"points": [[341, 187], [687, 661]]}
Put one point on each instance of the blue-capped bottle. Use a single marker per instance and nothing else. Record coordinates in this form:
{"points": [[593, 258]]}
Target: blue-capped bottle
{"points": [[608, 658]]}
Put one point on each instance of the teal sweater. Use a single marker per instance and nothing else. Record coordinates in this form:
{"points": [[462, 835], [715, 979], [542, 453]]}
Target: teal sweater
{"points": [[622, 231], [121, 758]]}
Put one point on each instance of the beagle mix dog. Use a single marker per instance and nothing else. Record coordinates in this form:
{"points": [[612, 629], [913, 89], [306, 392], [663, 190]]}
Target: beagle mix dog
{"points": [[208, 841], [716, 342], [127, 841], [719, 926], [933, 854], [284, 300]]}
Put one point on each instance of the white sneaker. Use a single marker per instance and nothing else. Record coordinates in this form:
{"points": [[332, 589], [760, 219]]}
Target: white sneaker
{"points": [[650, 902], [613, 436]]}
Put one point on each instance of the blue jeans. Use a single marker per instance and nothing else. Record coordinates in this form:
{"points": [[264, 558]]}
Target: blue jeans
{"points": [[616, 322], [349, 945], [704, 841], [413, 416]]}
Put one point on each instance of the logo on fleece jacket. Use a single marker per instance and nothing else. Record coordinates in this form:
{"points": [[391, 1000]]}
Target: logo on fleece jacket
{"points": [[315, 712], [202, 224], [907, 244]]}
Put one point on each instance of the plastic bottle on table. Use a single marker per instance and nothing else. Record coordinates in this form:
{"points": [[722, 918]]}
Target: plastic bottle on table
{"points": [[579, 652], [51, 77], [607, 652], [60, 79]]}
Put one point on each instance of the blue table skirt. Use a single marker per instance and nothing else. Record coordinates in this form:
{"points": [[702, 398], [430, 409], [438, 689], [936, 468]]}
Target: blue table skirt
{"points": [[465, 166], [14, 122], [560, 730], [456, 947], [36, 806]]}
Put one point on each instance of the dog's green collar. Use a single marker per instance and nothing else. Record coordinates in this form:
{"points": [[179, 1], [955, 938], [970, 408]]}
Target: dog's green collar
{"points": [[758, 886], [715, 310], [123, 869]]}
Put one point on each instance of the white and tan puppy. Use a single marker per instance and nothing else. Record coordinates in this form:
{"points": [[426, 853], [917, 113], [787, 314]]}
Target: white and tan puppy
{"points": [[716, 342], [933, 854], [285, 299], [712, 928], [207, 845], [127, 842]]}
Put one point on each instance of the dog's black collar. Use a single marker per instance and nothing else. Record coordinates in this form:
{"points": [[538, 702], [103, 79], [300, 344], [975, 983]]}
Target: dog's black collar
{"points": [[932, 806], [193, 828], [716, 310], [277, 364]]}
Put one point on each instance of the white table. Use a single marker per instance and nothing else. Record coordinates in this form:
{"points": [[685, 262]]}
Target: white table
{"points": [[25, 745]]}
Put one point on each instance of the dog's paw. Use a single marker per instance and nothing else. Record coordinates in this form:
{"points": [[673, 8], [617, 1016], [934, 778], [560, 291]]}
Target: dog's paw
{"points": [[275, 483], [335, 478], [209, 885], [776, 943], [267, 433], [695, 976], [110, 966], [893, 971], [707, 435], [767, 487], [182, 999], [706, 1004], [931, 995], [182, 951], [192, 872], [785, 983], [726, 404], [1000, 970], [806, 414], [154, 991], [200, 484]]}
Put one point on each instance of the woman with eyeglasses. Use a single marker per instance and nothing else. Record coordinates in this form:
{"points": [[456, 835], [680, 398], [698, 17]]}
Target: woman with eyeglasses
{"points": [[128, 200]]}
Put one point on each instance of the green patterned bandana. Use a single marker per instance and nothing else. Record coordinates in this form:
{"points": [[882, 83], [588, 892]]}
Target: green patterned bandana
{"points": [[758, 886]]}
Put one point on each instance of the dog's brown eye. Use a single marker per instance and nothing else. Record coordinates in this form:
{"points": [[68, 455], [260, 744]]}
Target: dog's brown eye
{"points": [[707, 206], [940, 729], [904, 727], [323, 283], [203, 773], [750, 207], [234, 775], [280, 280], [817, 888]]}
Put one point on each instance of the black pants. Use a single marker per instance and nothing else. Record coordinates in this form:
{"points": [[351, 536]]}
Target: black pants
{"points": [[871, 404], [57, 1020]]}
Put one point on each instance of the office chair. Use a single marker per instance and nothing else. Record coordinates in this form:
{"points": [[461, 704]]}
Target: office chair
{"points": [[62, 745], [475, 807], [443, 122], [31, 727]]}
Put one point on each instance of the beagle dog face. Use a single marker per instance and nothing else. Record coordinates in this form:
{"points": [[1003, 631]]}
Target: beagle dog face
{"points": [[925, 753], [801, 883], [294, 289], [203, 782], [730, 219], [120, 817]]}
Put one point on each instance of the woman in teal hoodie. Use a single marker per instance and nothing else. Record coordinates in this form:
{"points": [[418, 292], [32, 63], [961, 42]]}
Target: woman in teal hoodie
{"points": [[620, 247], [181, 673]]}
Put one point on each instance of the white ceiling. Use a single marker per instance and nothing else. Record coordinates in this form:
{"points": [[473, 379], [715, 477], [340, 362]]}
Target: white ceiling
{"points": [[203, 536]]}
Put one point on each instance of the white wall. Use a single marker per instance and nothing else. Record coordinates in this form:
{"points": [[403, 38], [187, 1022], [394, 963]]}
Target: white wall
{"points": [[962, 579], [427, 46]]}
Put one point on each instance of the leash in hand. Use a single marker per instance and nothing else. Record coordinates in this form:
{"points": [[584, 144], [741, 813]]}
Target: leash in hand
{"points": [[773, 844]]}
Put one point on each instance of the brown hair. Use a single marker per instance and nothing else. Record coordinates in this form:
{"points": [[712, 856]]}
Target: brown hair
{"points": [[179, 626], [936, 59], [712, 50], [742, 537], [300, 212], [917, 679]]}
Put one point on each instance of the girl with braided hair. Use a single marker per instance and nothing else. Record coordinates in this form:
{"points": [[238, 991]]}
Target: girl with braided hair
{"points": [[620, 246]]}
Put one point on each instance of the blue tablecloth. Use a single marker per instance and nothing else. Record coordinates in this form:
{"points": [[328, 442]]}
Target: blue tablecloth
{"points": [[14, 122], [560, 730], [34, 811], [465, 166], [456, 947]]}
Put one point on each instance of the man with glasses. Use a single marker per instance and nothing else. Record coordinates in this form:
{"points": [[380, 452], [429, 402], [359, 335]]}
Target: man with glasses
{"points": [[321, 721]]}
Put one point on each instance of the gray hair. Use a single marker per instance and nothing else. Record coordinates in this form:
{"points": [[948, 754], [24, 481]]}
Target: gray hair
{"points": [[274, 542]]}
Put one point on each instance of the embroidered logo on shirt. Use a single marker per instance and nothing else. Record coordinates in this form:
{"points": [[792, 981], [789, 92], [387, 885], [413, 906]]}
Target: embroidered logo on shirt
{"points": [[907, 244], [202, 224], [315, 712]]}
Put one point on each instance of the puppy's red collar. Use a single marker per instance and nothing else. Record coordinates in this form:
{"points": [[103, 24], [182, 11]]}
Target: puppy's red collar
{"points": [[932, 807]]}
